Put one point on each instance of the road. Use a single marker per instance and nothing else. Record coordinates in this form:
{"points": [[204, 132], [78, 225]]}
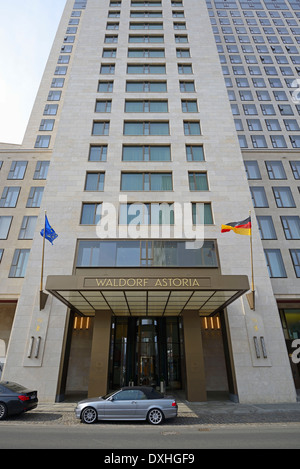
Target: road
{"points": [[112, 437]]}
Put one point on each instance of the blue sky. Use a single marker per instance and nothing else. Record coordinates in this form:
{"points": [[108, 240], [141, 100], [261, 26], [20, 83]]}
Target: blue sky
{"points": [[27, 30]]}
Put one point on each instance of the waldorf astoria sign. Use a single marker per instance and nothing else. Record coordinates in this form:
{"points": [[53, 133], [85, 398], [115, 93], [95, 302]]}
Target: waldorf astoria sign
{"points": [[147, 282]]}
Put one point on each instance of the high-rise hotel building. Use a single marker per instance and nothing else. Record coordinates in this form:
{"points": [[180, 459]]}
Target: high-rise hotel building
{"points": [[156, 122]]}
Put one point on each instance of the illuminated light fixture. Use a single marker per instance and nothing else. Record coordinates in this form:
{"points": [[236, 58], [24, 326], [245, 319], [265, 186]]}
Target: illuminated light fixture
{"points": [[211, 323], [81, 323]]}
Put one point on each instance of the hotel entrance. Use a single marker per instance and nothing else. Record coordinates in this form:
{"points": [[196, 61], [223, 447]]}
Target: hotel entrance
{"points": [[146, 351], [148, 326]]}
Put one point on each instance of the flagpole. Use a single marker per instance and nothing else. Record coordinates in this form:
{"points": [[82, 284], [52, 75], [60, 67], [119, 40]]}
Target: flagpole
{"points": [[251, 257], [43, 255]]}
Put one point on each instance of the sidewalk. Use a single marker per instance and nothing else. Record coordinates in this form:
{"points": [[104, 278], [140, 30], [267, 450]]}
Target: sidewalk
{"points": [[212, 412]]}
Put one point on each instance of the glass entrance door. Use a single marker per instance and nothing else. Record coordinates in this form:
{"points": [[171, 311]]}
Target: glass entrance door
{"points": [[144, 351], [147, 352]]}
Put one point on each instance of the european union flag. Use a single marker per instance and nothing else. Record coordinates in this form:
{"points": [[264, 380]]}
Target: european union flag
{"points": [[49, 231]]}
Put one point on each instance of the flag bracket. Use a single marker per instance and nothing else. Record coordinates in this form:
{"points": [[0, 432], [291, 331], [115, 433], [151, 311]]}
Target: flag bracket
{"points": [[251, 299], [43, 300]]}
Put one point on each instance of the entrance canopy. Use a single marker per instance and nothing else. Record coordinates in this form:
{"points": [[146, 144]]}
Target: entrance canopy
{"points": [[153, 292]]}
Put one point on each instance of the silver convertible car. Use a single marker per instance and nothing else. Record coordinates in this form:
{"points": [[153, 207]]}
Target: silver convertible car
{"points": [[128, 403]]}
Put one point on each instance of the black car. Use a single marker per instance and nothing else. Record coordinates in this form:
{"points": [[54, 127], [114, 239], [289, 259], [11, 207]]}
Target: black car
{"points": [[15, 399]]}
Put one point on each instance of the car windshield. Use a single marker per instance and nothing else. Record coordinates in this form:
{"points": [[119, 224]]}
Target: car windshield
{"points": [[13, 386], [108, 395]]}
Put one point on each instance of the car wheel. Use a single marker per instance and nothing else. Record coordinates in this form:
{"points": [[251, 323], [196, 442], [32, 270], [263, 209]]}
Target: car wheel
{"points": [[3, 411], [89, 415], [155, 416]]}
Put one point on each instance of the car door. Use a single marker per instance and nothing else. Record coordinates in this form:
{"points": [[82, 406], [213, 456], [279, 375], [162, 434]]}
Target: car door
{"points": [[142, 405], [121, 406]]}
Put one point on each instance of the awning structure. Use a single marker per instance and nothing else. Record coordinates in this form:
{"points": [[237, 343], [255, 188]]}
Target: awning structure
{"points": [[155, 292]]}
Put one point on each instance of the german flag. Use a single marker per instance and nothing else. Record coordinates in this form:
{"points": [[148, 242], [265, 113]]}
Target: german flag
{"points": [[239, 227]]}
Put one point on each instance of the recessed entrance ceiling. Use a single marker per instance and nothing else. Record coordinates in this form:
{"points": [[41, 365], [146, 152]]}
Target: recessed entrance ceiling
{"points": [[148, 296]]}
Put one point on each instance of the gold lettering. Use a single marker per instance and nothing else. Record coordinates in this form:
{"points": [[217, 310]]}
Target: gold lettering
{"points": [[196, 283], [101, 282], [158, 283], [177, 282]]}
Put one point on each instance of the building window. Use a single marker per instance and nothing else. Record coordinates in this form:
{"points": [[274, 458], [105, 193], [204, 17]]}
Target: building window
{"points": [[111, 26], [46, 124], [187, 86], [146, 39], [181, 38], [103, 106], [258, 141], [295, 140], [17, 170], [111, 39], [291, 226], [146, 106], [57, 83], [50, 110], [191, 128], [1, 254], [69, 39], [194, 153], [91, 213], [105, 86], [278, 141], [147, 214], [98, 153], [107, 69], [94, 182], [275, 170], [146, 53], [283, 197], [275, 263], [295, 254], [61, 70], [272, 124], [189, 105], [202, 213], [5, 222], [28, 227], [35, 197], [19, 263], [146, 153], [146, 182], [252, 170], [41, 170], [141, 253], [266, 227], [198, 181], [145, 26], [291, 124], [54, 96], [9, 196], [111, 53], [146, 128], [42, 141], [146, 69], [146, 86], [183, 53], [185, 69], [259, 197], [295, 165], [100, 128]]}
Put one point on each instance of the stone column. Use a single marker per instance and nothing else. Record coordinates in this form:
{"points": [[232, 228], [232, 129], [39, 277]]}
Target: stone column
{"points": [[98, 381], [194, 361]]}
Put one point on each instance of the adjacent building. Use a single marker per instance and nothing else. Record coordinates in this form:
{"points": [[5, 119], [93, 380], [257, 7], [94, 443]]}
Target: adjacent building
{"points": [[155, 123]]}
